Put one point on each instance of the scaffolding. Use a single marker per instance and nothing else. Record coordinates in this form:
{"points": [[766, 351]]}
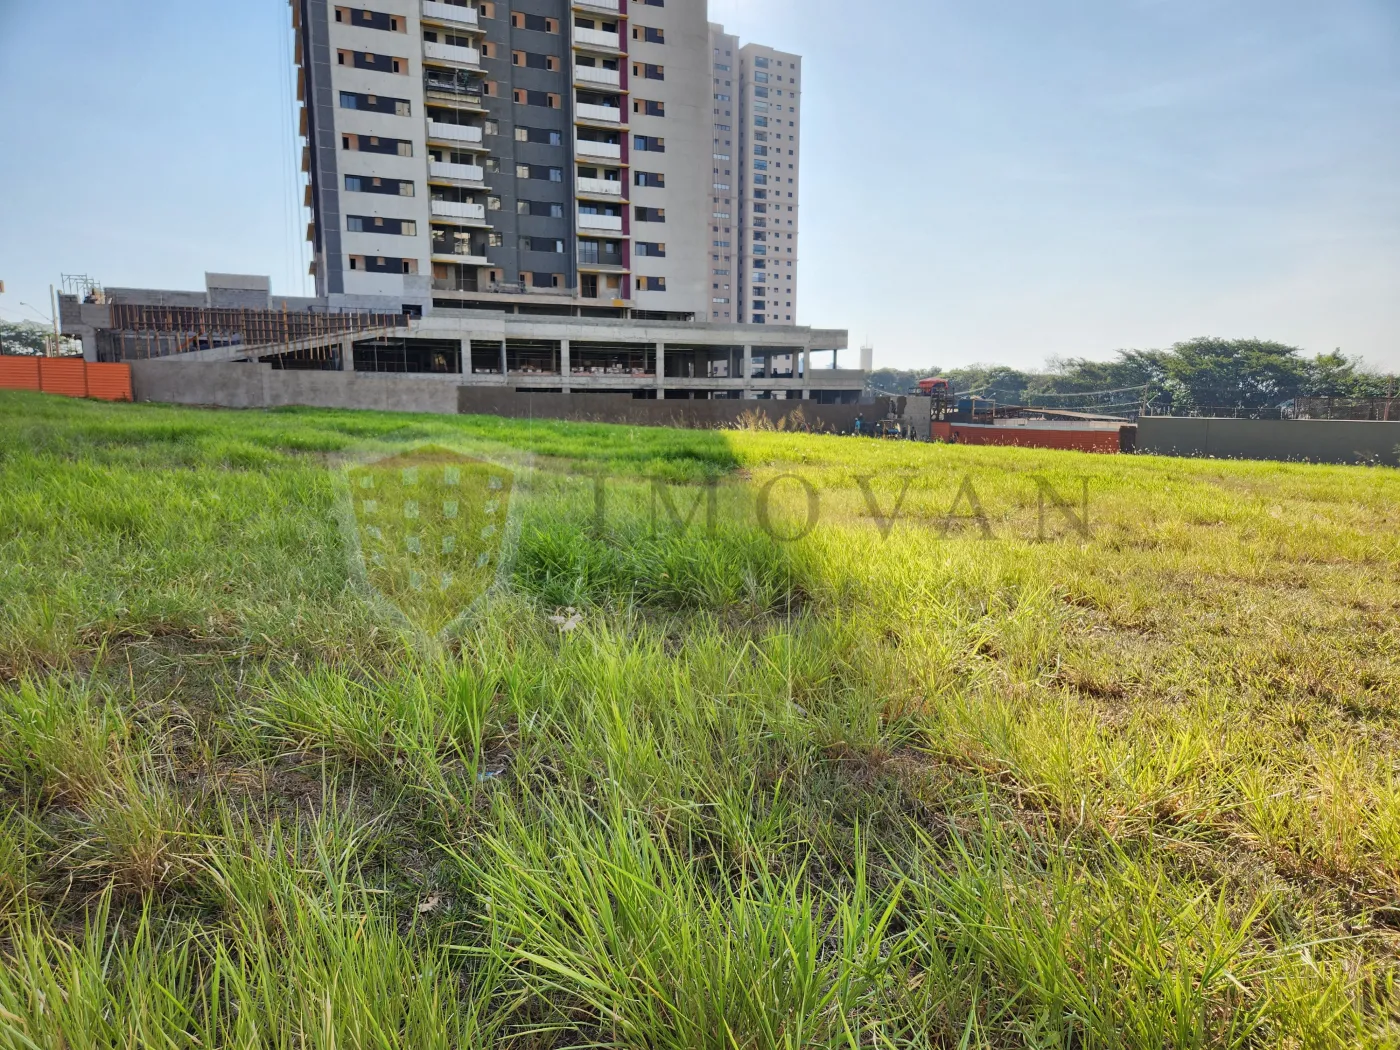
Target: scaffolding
{"points": [[141, 332]]}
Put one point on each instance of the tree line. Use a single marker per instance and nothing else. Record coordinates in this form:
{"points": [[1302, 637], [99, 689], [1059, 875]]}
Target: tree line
{"points": [[1199, 373], [31, 339]]}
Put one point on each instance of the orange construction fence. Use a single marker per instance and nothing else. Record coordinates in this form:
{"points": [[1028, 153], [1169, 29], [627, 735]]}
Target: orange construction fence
{"points": [[67, 376]]}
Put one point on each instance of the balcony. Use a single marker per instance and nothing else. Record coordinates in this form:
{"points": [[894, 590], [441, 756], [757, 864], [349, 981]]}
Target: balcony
{"points": [[461, 56], [439, 12], [606, 114], [441, 169], [459, 210], [607, 187], [599, 5], [453, 132], [598, 75], [607, 223], [594, 257], [460, 260], [606, 150], [457, 82], [597, 38]]}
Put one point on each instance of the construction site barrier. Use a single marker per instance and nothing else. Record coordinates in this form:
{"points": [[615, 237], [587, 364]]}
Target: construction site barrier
{"points": [[67, 377]]}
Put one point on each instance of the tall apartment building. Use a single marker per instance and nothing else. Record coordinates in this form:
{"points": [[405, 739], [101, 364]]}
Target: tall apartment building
{"points": [[726, 300], [756, 192], [769, 142], [546, 156]]}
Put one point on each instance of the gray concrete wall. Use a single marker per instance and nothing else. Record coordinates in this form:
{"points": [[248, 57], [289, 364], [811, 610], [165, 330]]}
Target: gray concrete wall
{"points": [[229, 385], [623, 408], [232, 385], [1301, 440]]}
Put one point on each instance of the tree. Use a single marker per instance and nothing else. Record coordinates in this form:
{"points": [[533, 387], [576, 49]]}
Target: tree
{"points": [[1199, 373], [1134, 376], [1336, 375], [25, 337], [1238, 373], [994, 382], [899, 380], [1133, 369]]}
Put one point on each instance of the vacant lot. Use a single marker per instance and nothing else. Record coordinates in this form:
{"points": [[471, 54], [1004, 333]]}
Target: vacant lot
{"points": [[907, 781]]}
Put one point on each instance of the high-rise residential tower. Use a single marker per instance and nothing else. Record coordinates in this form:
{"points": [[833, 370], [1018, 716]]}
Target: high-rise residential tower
{"points": [[769, 149], [547, 156], [725, 299]]}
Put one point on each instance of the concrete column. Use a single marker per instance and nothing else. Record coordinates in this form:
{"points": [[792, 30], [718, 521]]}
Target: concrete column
{"points": [[806, 373], [347, 355], [566, 370], [748, 373], [504, 373], [660, 370], [466, 357]]}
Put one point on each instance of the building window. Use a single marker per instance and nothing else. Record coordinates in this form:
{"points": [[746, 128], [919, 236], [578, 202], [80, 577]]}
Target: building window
{"points": [[542, 136], [530, 60], [543, 172], [651, 284], [651, 214], [648, 107], [536, 23], [380, 264], [654, 179], [378, 224], [542, 99]]}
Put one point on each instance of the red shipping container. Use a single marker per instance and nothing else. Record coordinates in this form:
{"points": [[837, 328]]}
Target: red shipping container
{"points": [[1103, 441], [1110, 442]]}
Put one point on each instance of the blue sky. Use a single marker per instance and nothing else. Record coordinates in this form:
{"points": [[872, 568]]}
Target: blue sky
{"points": [[985, 180]]}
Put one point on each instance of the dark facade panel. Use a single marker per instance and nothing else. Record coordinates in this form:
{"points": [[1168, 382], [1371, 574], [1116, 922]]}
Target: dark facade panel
{"points": [[317, 60], [512, 259]]}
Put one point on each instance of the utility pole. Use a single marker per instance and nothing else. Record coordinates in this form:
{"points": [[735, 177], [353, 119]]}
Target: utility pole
{"points": [[53, 306]]}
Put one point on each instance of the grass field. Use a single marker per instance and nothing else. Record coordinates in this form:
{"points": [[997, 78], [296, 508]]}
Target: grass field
{"points": [[925, 782]]}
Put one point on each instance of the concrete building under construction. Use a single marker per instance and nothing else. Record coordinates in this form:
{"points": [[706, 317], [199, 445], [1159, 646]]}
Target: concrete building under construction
{"points": [[236, 319]]}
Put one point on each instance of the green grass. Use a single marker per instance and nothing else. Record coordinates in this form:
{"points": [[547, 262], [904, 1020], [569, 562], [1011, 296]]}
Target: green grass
{"points": [[894, 785]]}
